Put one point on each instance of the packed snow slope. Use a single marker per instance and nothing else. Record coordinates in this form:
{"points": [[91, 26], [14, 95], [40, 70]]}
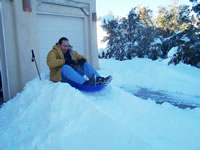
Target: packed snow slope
{"points": [[47, 115]]}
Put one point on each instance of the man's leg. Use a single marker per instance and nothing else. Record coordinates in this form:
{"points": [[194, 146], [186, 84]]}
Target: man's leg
{"points": [[89, 70], [69, 73]]}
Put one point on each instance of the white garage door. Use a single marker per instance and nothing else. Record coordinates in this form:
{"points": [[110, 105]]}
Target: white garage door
{"points": [[53, 27]]}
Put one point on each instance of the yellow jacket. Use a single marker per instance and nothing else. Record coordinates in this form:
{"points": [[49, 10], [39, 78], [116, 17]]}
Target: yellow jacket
{"points": [[55, 61]]}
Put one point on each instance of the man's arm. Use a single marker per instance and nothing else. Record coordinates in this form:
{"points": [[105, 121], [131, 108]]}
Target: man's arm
{"points": [[78, 56], [53, 62]]}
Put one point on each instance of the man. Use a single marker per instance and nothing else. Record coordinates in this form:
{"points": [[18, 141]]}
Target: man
{"points": [[66, 64]]}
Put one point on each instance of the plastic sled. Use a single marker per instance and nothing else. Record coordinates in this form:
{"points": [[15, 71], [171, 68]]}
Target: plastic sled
{"points": [[88, 88]]}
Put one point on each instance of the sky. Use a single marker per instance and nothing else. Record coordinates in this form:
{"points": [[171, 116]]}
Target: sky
{"points": [[122, 7]]}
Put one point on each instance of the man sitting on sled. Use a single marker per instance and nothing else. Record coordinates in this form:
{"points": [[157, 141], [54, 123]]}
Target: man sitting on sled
{"points": [[66, 64]]}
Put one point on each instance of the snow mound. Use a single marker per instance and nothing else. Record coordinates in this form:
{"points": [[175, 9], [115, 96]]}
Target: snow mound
{"points": [[53, 116]]}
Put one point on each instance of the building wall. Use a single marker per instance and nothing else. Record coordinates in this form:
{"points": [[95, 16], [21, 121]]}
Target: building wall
{"points": [[21, 36], [14, 45]]}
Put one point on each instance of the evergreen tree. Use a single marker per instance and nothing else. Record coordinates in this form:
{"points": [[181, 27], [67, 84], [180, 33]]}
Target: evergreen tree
{"points": [[145, 16], [111, 27], [188, 47], [134, 35], [173, 19], [196, 9]]}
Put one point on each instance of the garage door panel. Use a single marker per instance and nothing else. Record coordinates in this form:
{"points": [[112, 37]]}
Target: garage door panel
{"points": [[51, 28]]}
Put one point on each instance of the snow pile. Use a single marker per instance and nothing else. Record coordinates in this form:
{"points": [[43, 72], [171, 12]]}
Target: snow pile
{"points": [[53, 116], [154, 75], [163, 126]]}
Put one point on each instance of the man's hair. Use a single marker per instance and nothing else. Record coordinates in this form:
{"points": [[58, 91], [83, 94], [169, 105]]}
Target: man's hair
{"points": [[61, 40]]}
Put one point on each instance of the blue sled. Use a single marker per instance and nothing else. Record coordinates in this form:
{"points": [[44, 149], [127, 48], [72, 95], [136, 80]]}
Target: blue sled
{"points": [[87, 88]]}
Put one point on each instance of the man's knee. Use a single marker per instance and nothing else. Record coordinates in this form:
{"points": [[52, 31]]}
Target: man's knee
{"points": [[86, 64]]}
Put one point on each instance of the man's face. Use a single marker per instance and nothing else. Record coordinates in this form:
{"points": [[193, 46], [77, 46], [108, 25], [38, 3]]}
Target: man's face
{"points": [[64, 46]]}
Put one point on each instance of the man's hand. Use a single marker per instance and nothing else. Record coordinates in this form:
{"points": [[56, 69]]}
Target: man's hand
{"points": [[70, 62], [81, 61], [73, 63]]}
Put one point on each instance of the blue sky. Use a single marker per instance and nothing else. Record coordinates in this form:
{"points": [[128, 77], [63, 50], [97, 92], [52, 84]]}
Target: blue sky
{"points": [[122, 7]]}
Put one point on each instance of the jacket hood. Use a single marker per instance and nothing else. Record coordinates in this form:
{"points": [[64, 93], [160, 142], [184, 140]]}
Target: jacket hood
{"points": [[60, 53], [55, 47]]}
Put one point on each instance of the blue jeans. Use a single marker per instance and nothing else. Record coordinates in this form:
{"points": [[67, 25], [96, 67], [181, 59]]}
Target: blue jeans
{"points": [[76, 75]]}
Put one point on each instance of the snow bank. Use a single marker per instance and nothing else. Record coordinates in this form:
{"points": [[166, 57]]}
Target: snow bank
{"points": [[154, 75], [53, 116], [163, 126]]}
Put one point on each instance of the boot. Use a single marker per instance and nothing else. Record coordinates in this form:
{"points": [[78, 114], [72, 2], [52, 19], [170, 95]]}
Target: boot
{"points": [[103, 80], [91, 81]]}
